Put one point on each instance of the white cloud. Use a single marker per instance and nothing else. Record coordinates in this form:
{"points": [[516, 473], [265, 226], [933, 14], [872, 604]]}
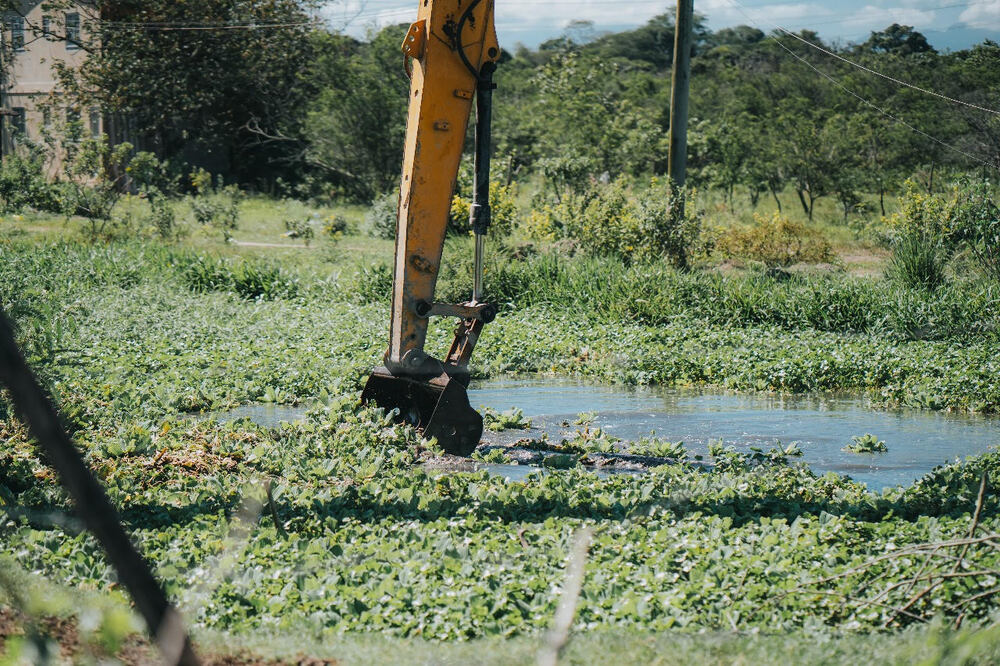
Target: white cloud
{"points": [[532, 21], [727, 12], [982, 15], [876, 18]]}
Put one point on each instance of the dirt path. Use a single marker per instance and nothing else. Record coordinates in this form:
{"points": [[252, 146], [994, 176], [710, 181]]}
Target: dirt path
{"points": [[275, 245]]}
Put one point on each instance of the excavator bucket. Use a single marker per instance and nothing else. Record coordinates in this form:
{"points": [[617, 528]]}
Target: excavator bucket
{"points": [[439, 407]]}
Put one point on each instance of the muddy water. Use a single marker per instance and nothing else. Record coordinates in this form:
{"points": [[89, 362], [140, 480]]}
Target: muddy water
{"points": [[822, 425]]}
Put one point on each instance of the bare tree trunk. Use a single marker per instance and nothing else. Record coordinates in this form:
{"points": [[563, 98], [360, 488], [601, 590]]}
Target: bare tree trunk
{"points": [[806, 207]]}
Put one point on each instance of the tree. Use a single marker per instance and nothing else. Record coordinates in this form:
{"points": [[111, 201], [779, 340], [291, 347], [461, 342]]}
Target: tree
{"points": [[899, 40], [652, 42], [355, 128], [197, 79], [728, 148]]}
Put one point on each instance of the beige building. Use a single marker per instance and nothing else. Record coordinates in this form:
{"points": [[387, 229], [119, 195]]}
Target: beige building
{"points": [[34, 40]]}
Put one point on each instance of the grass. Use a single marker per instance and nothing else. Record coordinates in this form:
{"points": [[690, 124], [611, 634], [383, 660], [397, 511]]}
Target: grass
{"points": [[928, 646], [377, 560]]}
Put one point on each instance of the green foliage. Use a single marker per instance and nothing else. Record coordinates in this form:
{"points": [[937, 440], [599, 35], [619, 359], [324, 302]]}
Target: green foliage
{"points": [[256, 280], [149, 174], [660, 222], [215, 205], [373, 283], [659, 448], [380, 220], [657, 295], [921, 213], [335, 226], [215, 93], [775, 241], [301, 229], [511, 419], [867, 443], [23, 183], [95, 176], [364, 530], [493, 457], [918, 260], [503, 211], [975, 223], [163, 217], [356, 123]]}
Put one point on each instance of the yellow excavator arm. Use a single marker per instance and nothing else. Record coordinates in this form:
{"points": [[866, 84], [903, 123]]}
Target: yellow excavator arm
{"points": [[451, 53]]}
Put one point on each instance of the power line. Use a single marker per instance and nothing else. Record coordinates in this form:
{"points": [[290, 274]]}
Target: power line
{"points": [[153, 27], [885, 76], [850, 92]]}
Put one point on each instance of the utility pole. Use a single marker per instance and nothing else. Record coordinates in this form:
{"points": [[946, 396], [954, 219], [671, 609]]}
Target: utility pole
{"points": [[683, 26]]}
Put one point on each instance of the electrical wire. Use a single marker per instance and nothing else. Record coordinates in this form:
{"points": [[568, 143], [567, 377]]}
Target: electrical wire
{"points": [[193, 28], [885, 76], [867, 102]]}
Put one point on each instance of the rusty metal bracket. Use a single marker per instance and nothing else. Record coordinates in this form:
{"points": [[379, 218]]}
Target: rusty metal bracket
{"points": [[483, 312], [414, 45], [416, 39]]}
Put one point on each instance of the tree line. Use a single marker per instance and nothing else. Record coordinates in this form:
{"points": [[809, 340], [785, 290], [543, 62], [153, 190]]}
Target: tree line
{"points": [[292, 105]]}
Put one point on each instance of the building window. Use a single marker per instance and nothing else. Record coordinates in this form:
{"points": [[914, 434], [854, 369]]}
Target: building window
{"points": [[17, 33], [72, 116], [95, 122], [47, 27], [46, 117], [72, 31], [18, 121]]}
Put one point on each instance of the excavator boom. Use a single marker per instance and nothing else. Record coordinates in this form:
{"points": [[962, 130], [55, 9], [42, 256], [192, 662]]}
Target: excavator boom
{"points": [[450, 53]]}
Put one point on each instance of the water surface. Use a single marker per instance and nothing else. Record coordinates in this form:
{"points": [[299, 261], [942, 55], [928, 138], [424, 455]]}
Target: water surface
{"points": [[822, 425], [918, 440]]}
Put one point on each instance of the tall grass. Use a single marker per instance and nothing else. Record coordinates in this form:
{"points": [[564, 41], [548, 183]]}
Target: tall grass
{"points": [[655, 294], [649, 294], [918, 261]]}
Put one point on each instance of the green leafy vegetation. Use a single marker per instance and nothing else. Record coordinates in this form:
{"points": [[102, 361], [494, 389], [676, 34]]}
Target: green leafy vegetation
{"points": [[775, 241], [511, 419], [367, 538], [187, 299], [867, 443]]}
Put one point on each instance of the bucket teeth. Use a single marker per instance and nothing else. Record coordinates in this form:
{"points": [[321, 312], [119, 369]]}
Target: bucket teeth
{"points": [[439, 407]]}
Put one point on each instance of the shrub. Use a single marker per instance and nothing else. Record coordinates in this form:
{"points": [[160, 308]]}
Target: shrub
{"points": [[380, 220], [660, 222], [335, 226], [162, 217], [217, 206], [775, 241], [23, 183], [918, 260], [548, 221], [373, 284], [149, 174], [503, 211], [300, 228], [919, 212], [256, 280], [975, 222]]}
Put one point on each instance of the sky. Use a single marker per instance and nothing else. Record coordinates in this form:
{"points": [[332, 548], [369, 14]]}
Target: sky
{"points": [[947, 23]]}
